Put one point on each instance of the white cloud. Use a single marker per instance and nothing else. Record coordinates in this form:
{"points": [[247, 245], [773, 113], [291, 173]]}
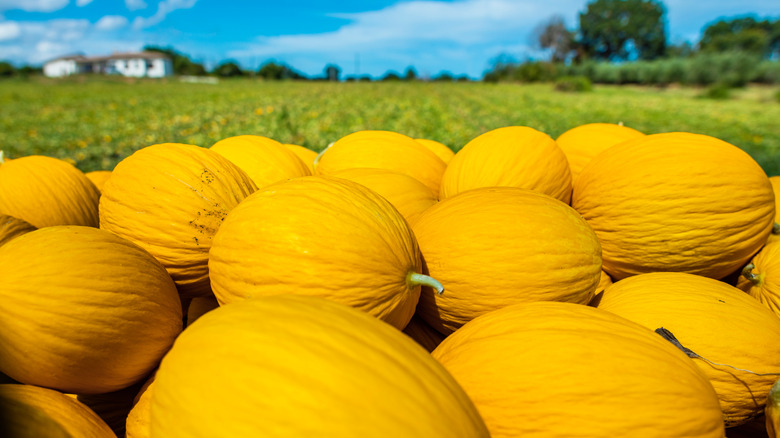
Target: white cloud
{"points": [[452, 35], [111, 22], [135, 5], [9, 30], [81, 3], [33, 5], [163, 9]]}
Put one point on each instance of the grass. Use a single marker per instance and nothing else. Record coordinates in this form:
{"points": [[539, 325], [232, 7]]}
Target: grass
{"points": [[95, 122]]}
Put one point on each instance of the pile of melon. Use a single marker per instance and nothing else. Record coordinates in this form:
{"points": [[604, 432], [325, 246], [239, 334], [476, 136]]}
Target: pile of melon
{"points": [[604, 283]]}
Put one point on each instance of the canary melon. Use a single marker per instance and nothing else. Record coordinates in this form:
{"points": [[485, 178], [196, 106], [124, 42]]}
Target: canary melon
{"points": [[383, 150], [98, 177], [304, 366], [495, 246], [730, 336], [28, 411], [512, 156], [45, 191], [772, 411], [265, 160], [11, 227], [440, 149], [550, 369], [761, 277], [137, 424], [667, 202], [322, 236], [82, 310], [305, 154], [408, 195], [583, 142], [170, 199]]}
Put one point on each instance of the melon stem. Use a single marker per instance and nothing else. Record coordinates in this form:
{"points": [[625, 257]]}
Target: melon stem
{"points": [[416, 279], [3, 161], [747, 273], [775, 227]]}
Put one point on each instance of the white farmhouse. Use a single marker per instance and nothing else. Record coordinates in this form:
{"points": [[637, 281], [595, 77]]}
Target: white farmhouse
{"points": [[140, 64]]}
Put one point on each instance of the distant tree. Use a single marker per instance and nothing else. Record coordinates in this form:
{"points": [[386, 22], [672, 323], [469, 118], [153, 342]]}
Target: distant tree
{"points": [[332, 72], [745, 34], [391, 76], [553, 35], [228, 69], [182, 64], [617, 29], [444, 77], [273, 71], [6, 69], [411, 74]]}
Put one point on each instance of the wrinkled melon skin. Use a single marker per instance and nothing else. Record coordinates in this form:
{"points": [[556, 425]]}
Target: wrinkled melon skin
{"points": [[677, 202], [583, 142], [761, 278], [265, 160], [31, 411], [495, 246], [304, 366], [46, 191], [409, 196], [383, 150], [321, 236], [550, 369], [512, 156], [717, 322], [83, 311], [170, 199], [11, 227]]}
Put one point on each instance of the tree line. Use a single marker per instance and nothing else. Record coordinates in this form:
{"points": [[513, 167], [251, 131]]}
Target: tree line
{"points": [[625, 41], [616, 41]]}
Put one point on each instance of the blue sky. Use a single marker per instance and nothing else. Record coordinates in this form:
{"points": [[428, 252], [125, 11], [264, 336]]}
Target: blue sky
{"points": [[362, 37]]}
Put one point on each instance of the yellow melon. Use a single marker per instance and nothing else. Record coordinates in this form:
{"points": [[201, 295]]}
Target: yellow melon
{"points": [[28, 411], [305, 154], [321, 236], [496, 246], [83, 310], [112, 407], [512, 156], [408, 195], [170, 199], [441, 150], [304, 366], [137, 424], [772, 411], [550, 369], [582, 143], [730, 336], [98, 177], [45, 191], [11, 227], [667, 202], [383, 150], [761, 277], [265, 160]]}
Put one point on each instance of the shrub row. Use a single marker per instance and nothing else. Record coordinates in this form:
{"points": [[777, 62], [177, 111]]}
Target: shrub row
{"points": [[733, 69]]}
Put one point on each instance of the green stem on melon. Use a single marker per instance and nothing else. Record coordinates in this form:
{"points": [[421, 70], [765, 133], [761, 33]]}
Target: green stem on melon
{"points": [[317, 158], [775, 227], [416, 279], [3, 161], [747, 272]]}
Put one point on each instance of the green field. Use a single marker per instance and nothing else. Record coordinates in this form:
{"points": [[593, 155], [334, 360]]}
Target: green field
{"points": [[95, 122]]}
